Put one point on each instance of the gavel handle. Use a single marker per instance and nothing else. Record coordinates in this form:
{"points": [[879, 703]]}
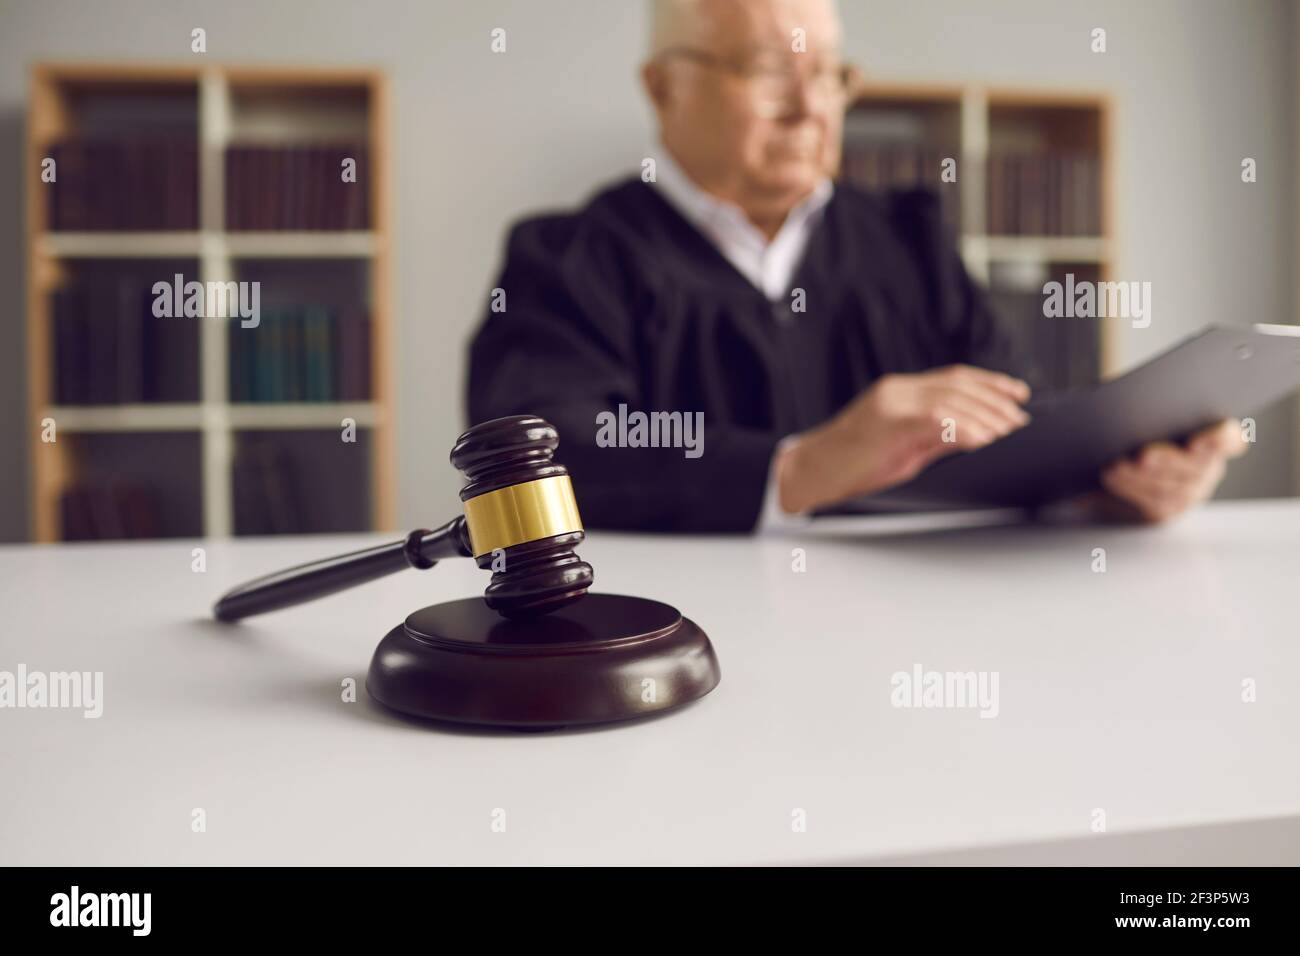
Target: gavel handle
{"points": [[419, 549]]}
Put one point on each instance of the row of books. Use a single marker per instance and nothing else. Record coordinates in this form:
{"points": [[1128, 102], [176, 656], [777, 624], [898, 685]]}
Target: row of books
{"points": [[1044, 194], [109, 348], [297, 187], [1052, 193], [273, 488], [305, 354], [879, 166], [124, 184], [267, 498], [1057, 353], [279, 486], [105, 511]]}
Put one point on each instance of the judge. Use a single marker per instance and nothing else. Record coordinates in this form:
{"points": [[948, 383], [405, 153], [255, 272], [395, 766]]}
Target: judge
{"points": [[827, 341]]}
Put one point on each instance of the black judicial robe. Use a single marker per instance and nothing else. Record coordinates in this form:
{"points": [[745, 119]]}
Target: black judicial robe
{"points": [[625, 302]]}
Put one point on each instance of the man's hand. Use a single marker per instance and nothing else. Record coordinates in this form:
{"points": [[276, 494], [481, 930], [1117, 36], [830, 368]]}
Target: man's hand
{"points": [[1164, 480], [894, 429]]}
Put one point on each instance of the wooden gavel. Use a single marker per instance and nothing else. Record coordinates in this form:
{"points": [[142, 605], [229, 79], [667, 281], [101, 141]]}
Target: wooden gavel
{"points": [[521, 521]]}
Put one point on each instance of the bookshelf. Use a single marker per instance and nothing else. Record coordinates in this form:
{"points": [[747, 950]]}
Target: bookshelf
{"points": [[1032, 201], [226, 174]]}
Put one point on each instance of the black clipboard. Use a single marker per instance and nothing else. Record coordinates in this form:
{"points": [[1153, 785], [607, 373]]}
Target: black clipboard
{"points": [[1221, 372]]}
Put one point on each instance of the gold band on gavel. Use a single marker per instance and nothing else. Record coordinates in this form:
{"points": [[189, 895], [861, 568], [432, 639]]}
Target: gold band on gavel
{"points": [[520, 513]]}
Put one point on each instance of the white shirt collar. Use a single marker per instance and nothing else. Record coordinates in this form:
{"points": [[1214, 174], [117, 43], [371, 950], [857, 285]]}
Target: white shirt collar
{"points": [[769, 266]]}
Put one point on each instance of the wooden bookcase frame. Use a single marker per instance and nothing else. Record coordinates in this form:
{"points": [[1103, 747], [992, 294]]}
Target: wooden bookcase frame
{"points": [[213, 417]]}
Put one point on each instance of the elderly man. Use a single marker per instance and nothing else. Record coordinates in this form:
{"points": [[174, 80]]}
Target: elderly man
{"points": [[822, 335]]}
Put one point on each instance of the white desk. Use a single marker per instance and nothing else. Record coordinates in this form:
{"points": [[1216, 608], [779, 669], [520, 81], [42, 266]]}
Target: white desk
{"points": [[1120, 691]]}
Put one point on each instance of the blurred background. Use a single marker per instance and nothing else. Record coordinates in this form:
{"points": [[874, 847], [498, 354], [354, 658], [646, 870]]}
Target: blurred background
{"points": [[223, 165]]}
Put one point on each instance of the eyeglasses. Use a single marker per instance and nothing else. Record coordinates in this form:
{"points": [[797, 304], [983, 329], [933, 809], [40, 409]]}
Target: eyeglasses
{"points": [[772, 87]]}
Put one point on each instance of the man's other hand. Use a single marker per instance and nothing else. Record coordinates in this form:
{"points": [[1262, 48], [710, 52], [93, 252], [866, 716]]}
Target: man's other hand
{"points": [[1164, 480], [896, 427]]}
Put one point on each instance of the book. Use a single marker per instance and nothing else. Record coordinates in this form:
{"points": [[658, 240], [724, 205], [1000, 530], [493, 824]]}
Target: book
{"points": [[352, 368], [129, 347]]}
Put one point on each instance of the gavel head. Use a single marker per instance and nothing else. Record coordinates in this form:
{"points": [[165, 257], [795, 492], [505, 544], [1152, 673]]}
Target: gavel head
{"points": [[521, 516]]}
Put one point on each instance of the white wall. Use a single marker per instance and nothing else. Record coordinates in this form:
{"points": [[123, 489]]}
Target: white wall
{"points": [[481, 139]]}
